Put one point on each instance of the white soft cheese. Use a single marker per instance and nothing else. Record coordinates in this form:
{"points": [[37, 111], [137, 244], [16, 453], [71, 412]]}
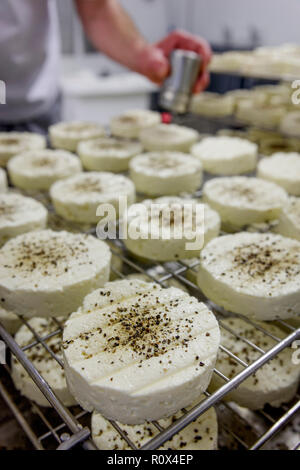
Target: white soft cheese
{"points": [[242, 201], [20, 214], [10, 321], [289, 220], [226, 155], [165, 173], [116, 264], [13, 143], [37, 170], [283, 169], [135, 351], [212, 104], [274, 383], [167, 236], [108, 154], [67, 135], [46, 273], [42, 360], [78, 198], [168, 137], [130, 123], [290, 124], [201, 434], [266, 115], [156, 274], [3, 181], [253, 274]]}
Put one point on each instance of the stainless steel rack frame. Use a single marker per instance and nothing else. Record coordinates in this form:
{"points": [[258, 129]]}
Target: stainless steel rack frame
{"points": [[62, 428], [196, 121]]}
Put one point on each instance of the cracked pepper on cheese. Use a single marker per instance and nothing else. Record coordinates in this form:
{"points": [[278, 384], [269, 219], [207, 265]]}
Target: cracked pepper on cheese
{"points": [[201, 434], [3, 181], [135, 351], [77, 198], [241, 201], [46, 273], [253, 274], [166, 232], [168, 137], [37, 170], [67, 135], [289, 220], [162, 173]]}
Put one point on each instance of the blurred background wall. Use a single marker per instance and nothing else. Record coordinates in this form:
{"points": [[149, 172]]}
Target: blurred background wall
{"points": [[91, 81], [234, 23]]}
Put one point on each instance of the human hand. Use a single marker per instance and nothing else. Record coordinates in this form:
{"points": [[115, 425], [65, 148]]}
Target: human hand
{"points": [[154, 59]]}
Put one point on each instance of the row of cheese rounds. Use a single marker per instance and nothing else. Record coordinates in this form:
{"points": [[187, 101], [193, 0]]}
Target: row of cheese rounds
{"points": [[268, 106], [103, 332], [32, 259], [86, 353], [265, 61], [235, 202], [153, 173], [169, 228], [255, 274]]}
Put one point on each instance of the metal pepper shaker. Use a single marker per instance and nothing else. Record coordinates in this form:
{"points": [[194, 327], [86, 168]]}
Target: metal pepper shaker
{"points": [[178, 87]]}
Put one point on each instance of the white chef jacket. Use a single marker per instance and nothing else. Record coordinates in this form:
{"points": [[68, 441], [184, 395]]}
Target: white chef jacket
{"points": [[29, 58]]}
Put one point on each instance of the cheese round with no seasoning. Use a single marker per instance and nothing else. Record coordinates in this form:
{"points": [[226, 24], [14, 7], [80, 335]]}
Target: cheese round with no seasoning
{"points": [[283, 169]]}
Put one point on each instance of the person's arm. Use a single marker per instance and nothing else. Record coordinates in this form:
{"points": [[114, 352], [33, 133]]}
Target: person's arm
{"points": [[113, 32]]}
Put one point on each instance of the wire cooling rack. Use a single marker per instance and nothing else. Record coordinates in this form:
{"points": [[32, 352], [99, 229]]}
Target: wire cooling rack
{"points": [[62, 428], [211, 124]]}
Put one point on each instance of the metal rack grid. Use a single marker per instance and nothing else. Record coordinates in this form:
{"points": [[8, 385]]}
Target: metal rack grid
{"points": [[196, 121], [63, 428]]}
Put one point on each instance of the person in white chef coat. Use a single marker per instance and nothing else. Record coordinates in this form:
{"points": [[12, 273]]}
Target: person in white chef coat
{"points": [[30, 49]]}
